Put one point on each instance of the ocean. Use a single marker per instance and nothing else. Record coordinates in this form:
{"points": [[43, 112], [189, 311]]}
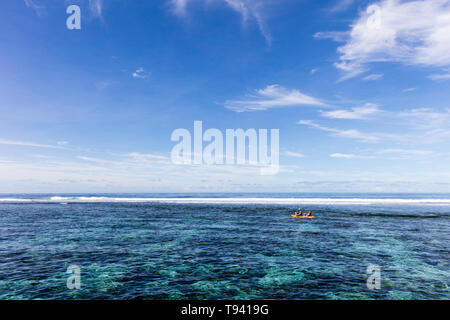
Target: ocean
{"points": [[224, 246]]}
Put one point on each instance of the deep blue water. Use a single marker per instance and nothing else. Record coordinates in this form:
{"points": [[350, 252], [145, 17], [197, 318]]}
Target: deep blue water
{"points": [[204, 250]]}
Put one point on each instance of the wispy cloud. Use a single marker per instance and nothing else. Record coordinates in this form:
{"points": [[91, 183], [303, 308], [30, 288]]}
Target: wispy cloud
{"points": [[179, 7], [146, 156], [341, 5], [423, 125], [140, 73], [338, 36], [348, 133], [407, 152], [440, 76], [373, 77], [434, 126], [273, 96], [35, 5], [393, 153], [409, 32], [29, 144], [350, 156], [248, 9], [427, 118], [355, 113], [294, 154], [97, 160], [132, 170], [123, 173], [96, 8]]}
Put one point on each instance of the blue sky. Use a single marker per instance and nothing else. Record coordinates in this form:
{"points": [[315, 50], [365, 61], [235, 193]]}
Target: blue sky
{"points": [[358, 89]]}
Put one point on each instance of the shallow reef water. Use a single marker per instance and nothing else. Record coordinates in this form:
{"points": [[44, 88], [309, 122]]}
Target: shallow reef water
{"points": [[222, 251]]}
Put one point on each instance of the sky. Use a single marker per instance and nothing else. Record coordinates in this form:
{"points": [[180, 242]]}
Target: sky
{"points": [[359, 91]]}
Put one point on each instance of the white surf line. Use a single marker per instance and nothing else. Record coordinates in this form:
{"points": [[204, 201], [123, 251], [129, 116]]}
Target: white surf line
{"points": [[279, 201]]}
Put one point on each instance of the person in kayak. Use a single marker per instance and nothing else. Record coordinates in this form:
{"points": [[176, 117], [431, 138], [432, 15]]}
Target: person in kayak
{"points": [[309, 214], [298, 213]]}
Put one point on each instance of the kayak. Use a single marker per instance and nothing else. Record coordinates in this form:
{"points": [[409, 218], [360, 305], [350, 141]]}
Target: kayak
{"points": [[302, 217]]}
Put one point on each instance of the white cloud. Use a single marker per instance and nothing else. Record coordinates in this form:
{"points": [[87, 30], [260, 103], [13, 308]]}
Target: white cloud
{"points": [[97, 160], [409, 32], [342, 155], [409, 90], [294, 154], [356, 113], [398, 154], [422, 125], [146, 156], [33, 4], [122, 173], [179, 6], [273, 96], [341, 5], [248, 9], [125, 173], [427, 118], [349, 133], [440, 76], [358, 135], [434, 126], [349, 156], [338, 36], [313, 71], [373, 77], [139, 73], [403, 153], [406, 152], [28, 144], [96, 8]]}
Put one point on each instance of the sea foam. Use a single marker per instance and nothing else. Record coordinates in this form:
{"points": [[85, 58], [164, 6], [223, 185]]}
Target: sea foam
{"points": [[236, 200]]}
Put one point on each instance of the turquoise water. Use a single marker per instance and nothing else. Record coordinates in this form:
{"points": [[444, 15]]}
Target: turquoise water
{"points": [[243, 250]]}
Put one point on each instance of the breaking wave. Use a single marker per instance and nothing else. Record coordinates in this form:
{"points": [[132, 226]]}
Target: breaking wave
{"points": [[237, 200]]}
